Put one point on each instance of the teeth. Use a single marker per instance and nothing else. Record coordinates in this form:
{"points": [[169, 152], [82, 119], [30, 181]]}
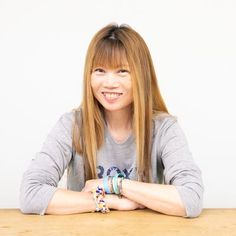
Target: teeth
{"points": [[111, 95]]}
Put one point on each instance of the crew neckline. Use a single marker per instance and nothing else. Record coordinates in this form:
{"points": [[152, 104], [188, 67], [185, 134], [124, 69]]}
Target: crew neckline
{"points": [[127, 141]]}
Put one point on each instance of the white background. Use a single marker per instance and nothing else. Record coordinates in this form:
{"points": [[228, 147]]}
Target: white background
{"points": [[193, 46]]}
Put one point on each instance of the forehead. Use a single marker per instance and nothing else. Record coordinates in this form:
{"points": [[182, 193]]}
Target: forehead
{"points": [[110, 54]]}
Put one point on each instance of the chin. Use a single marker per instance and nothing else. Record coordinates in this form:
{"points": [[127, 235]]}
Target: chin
{"points": [[113, 107]]}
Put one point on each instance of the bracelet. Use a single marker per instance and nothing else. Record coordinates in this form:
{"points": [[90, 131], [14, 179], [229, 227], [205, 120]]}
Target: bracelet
{"points": [[105, 184], [110, 184], [117, 189], [120, 187], [98, 196], [114, 184]]}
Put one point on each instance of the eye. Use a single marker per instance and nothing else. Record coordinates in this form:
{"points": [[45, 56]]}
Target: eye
{"points": [[123, 72], [98, 70]]}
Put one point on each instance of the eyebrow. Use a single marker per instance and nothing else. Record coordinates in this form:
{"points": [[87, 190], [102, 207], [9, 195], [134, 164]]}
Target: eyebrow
{"points": [[121, 66]]}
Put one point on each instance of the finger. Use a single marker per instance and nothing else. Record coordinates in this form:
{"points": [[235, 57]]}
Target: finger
{"points": [[142, 207]]}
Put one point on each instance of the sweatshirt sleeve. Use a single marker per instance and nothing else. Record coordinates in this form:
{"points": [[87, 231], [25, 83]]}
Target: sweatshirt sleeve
{"points": [[180, 169], [40, 180]]}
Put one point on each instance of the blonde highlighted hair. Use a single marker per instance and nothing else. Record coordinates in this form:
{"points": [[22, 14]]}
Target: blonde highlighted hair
{"points": [[110, 47]]}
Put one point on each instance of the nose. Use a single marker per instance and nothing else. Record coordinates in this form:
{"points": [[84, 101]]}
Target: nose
{"points": [[110, 80]]}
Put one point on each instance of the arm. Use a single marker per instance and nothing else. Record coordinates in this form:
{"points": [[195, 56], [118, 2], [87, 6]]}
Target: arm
{"points": [[39, 182], [71, 202], [182, 193], [158, 197], [38, 191]]}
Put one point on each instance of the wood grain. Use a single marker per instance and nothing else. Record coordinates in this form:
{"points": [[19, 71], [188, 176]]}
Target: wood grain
{"points": [[139, 222]]}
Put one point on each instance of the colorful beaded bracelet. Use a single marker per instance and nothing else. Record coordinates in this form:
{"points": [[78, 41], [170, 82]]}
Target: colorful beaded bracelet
{"points": [[98, 196]]}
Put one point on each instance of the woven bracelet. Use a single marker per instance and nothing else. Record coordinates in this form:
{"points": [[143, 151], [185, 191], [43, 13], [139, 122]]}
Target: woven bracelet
{"points": [[98, 196]]}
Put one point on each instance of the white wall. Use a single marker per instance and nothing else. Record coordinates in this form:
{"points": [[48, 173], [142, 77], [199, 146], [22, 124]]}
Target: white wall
{"points": [[42, 50]]}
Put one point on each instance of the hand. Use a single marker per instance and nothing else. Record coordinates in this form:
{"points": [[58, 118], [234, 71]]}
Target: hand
{"points": [[122, 204], [92, 184], [114, 202], [126, 204]]}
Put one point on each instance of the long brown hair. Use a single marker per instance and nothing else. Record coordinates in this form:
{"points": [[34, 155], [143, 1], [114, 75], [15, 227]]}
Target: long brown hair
{"points": [[108, 47]]}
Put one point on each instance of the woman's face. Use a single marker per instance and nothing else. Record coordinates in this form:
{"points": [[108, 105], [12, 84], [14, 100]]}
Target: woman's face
{"points": [[112, 87]]}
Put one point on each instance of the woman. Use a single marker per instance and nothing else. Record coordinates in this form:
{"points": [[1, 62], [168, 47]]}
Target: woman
{"points": [[121, 148]]}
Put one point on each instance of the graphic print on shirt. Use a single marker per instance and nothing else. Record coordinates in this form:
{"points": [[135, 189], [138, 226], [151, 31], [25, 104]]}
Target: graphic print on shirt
{"points": [[112, 171]]}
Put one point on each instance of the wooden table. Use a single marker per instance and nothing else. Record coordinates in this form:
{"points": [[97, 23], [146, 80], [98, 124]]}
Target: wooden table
{"points": [[139, 222]]}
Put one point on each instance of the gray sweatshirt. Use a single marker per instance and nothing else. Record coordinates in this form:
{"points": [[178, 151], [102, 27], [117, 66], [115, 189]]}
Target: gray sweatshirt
{"points": [[171, 161]]}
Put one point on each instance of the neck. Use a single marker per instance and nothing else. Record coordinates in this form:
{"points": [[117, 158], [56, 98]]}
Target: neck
{"points": [[119, 120]]}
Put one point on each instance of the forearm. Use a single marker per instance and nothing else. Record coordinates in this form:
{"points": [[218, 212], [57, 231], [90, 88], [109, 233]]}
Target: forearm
{"points": [[158, 197], [72, 202]]}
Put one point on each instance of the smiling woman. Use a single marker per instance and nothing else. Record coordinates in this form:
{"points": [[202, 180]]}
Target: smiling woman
{"points": [[121, 141], [112, 86]]}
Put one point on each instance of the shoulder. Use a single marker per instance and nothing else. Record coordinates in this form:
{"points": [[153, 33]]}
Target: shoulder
{"points": [[71, 116], [67, 118], [162, 121], [66, 121]]}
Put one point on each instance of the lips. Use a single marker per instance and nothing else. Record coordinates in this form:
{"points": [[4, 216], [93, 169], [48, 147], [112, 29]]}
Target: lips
{"points": [[111, 97]]}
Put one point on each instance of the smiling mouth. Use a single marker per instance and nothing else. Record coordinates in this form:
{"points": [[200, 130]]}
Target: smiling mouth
{"points": [[111, 96]]}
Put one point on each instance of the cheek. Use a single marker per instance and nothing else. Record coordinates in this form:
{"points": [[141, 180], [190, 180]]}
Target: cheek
{"points": [[95, 88], [129, 86], [96, 81], [94, 84], [130, 91]]}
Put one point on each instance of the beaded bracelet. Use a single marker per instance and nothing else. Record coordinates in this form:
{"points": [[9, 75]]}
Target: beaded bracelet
{"points": [[98, 196]]}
